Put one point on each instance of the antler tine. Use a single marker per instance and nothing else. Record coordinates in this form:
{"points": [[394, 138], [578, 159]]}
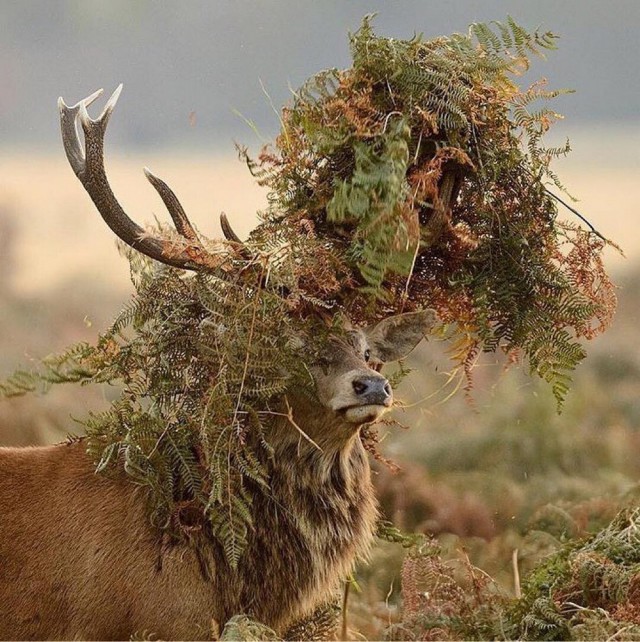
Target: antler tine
{"points": [[88, 165], [231, 236], [175, 209], [227, 230], [70, 138]]}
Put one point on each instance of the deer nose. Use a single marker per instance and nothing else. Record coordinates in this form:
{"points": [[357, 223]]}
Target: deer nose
{"points": [[373, 390]]}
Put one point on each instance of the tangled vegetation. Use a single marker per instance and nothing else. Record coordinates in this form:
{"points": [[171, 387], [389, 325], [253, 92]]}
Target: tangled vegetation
{"points": [[414, 179], [423, 170], [587, 590], [200, 362]]}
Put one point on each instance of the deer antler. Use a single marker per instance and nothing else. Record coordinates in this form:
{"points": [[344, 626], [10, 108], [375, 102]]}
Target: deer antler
{"points": [[88, 165], [227, 230]]}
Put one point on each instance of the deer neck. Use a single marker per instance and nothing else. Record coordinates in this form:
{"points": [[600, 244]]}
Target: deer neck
{"points": [[308, 434]]}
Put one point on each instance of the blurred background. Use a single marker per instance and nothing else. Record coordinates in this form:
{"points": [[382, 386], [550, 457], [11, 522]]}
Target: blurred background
{"points": [[199, 76]]}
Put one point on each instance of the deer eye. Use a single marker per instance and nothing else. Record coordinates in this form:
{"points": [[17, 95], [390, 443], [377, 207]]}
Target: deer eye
{"points": [[367, 355]]}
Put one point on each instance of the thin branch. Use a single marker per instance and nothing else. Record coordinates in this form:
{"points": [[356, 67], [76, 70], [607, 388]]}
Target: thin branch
{"points": [[516, 574], [256, 303], [345, 605], [289, 415], [575, 211]]}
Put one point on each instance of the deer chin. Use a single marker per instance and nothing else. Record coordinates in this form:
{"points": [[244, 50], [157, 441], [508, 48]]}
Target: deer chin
{"points": [[364, 414]]}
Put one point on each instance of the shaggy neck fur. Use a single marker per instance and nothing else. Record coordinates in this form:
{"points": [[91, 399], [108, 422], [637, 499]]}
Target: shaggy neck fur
{"points": [[316, 521]]}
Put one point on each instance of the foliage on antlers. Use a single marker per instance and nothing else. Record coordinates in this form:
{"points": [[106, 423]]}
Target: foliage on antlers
{"points": [[424, 166], [401, 184]]}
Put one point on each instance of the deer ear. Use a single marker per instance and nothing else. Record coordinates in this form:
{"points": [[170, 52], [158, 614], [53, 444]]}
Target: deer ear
{"points": [[395, 337]]}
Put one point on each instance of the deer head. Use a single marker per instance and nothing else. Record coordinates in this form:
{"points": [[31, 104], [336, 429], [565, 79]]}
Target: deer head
{"points": [[347, 378]]}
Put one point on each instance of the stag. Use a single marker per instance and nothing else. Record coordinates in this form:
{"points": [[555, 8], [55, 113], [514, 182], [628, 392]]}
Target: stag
{"points": [[79, 557]]}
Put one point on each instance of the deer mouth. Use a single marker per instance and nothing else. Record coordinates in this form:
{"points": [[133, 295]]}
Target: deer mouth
{"points": [[364, 414]]}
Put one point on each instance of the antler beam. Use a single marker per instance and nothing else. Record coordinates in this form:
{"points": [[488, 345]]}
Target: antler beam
{"points": [[88, 164]]}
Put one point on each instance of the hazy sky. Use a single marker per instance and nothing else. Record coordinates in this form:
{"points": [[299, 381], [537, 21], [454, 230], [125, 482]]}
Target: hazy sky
{"points": [[207, 58]]}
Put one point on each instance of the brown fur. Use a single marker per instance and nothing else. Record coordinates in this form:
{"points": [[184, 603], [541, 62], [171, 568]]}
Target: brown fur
{"points": [[79, 558]]}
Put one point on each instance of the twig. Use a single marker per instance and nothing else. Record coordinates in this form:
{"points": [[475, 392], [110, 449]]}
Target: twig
{"points": [[408, 283], [276, 112], [345, 604], [386, 120], [157, 444], [575, 211], [516, 574], [451, 376], [289, 416], [256, 301]]}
